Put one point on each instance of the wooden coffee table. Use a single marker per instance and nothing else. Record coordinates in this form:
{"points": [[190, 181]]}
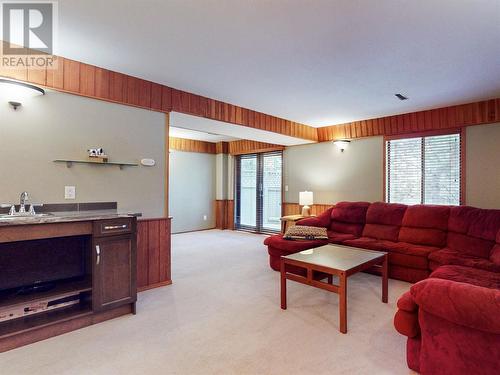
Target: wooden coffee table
{"points": [[333, 260]]}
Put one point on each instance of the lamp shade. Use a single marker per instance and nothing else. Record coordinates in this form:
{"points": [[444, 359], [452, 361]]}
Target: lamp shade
{"points": [[305, 198]]}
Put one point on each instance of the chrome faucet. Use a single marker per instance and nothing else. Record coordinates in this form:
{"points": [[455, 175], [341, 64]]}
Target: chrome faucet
{"points": [[22, 202]]}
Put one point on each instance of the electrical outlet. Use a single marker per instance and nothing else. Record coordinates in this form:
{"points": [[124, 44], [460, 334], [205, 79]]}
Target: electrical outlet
{"points": [[70, 192], [286, 187], [205, 217]]}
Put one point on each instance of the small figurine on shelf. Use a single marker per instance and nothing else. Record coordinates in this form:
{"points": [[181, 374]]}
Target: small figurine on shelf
{"points": [[97, 155]]}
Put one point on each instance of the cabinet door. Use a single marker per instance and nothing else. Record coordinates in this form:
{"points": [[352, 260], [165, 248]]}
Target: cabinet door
{"points": [[114, 281]]}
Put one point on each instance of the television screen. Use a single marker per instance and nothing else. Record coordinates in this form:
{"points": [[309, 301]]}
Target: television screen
{"points": [[25, 263]]}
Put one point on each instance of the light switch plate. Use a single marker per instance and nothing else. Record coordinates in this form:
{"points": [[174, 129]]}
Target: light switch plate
{"points": [[70, 192], [205, 217]]}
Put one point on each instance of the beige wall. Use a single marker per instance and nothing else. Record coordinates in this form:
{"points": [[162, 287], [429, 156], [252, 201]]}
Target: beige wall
{"points": [[483, 166], [355, 174], [192, 190], [60, 125]]}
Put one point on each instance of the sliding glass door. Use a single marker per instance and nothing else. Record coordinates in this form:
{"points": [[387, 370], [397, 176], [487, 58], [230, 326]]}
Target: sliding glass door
{"points": [[258, 192]]}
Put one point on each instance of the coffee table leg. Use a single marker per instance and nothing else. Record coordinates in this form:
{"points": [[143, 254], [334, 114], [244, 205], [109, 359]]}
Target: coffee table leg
{"points": [[385, 281], [343, 302], [283, 284]]}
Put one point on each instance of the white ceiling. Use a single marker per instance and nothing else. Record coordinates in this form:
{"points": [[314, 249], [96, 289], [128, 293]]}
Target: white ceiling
{"points": [[317, 62], [198, 135], [224, 129]]}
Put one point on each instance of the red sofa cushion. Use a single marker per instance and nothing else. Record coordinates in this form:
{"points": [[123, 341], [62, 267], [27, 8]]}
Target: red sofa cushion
{"points": [[466, 304], [425, 225], [322, 220], [350, 212], [400, 253], [495, 253], [383, 220], [468, 275], [349, 217], [364, 243], [449, 256], [472, 231], [354, 229], [469, 245], [277, 242], [427, 216], [338, 238]]}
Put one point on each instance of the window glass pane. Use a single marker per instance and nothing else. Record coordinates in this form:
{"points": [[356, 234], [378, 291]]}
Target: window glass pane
{"points": [[442, 170], [404, 171], [248, 200], [271, 210]]}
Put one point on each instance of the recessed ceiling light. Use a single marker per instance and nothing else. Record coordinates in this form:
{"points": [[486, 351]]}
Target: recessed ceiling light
{"points": [[401, 97]]}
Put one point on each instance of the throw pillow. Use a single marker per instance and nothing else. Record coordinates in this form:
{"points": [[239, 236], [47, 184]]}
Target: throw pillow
{"points": [[303, 232]]}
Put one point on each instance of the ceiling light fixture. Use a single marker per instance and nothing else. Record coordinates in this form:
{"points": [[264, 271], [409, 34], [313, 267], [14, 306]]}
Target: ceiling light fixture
{"points": [[15, 92], [342, 144]]}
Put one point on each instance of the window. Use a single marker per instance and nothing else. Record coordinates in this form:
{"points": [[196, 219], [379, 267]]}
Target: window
{"points": [[424, 170]]}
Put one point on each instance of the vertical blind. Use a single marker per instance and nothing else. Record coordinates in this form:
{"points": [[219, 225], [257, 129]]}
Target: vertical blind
{"points": [[424, 170]]}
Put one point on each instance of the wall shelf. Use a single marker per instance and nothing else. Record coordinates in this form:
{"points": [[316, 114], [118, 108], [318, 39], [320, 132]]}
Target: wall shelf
{"points": [[70, 162]]}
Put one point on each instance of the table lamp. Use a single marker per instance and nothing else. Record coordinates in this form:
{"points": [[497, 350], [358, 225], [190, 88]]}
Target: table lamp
{"points": [[306, 199]]}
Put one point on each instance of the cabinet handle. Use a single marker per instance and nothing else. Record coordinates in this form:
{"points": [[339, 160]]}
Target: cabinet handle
{"points": [[98, 252], [111, 227]]}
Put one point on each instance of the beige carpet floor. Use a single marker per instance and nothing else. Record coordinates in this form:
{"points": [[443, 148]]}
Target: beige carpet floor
{"points": [[222, 316]]}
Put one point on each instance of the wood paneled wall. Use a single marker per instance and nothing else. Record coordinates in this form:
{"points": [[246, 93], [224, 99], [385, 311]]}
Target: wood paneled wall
{"points": [[249, 147], [191, 145], [295, 208], [153, 253], [222, 148], [458, 116], [224, 214], [87, 80]]}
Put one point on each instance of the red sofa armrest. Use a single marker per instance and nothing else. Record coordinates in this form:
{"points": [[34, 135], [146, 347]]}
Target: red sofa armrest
{"points": [[322, 220], [406, 318], [460, 303]]}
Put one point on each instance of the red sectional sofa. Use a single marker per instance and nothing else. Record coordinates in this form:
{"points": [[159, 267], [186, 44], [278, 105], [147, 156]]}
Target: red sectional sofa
{"points": [[452, 319], [452, 314]]}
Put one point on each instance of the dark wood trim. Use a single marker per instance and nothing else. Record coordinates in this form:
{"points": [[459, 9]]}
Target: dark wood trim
{"points": [[224, 214], [153, 253], [244, 146], [458, 116], [295, 208], [41, 231], [428, 133], [222, 147], [153, 286], [463, 166], [82, 79], [192, 145], [167, 162]]}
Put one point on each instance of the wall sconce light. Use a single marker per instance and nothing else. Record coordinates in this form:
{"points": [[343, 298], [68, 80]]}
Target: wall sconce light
{"points": [[15, 92], [342, 144], [306, 199]]}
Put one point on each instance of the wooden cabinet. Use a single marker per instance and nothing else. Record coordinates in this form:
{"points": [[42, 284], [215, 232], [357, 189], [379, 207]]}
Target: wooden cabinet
{"points": [[92, 278], [114, 264]]}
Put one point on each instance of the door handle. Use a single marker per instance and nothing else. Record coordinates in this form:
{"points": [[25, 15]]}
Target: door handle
{"points": [[111, 227], [98, 252]]}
